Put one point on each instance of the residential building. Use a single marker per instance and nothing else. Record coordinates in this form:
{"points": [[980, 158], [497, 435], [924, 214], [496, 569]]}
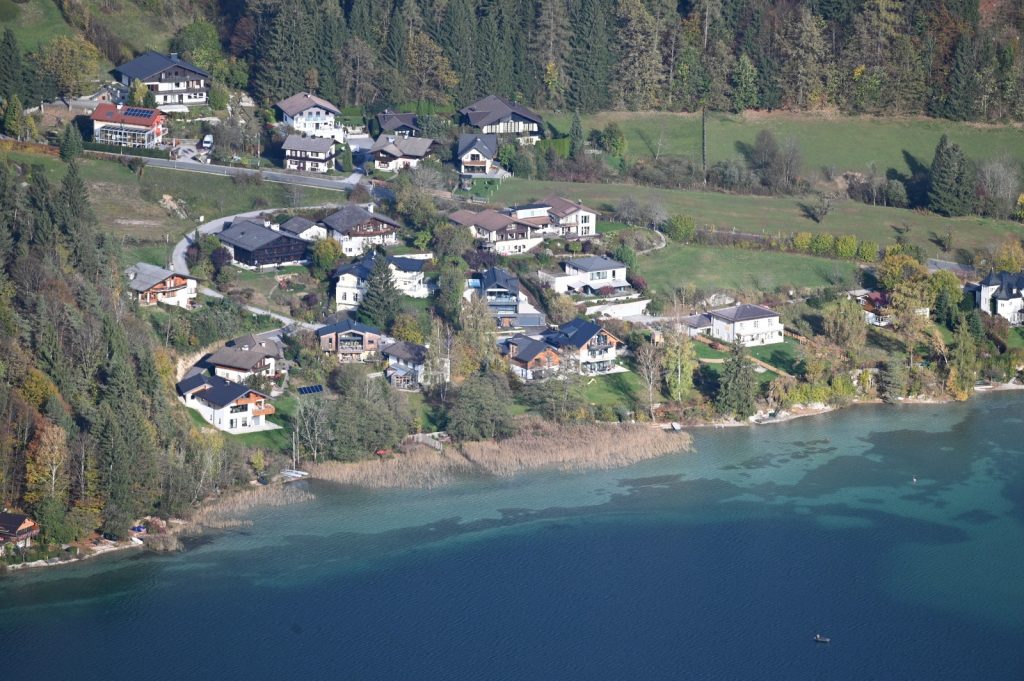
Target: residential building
{"points": [[311, 116], [268, 343], [556, 215], [351, 341], [747, 325], [391, 122], [16, 530], [359, 228], [509, 306], [406, 271], [498, 232], [407, 364], [494, 114], [172, 80], [128, 126], [476, 154], [150, 285], [588, 275], [392, 152], [309, 154], [303, 228], [531, 358], [1001, 294], [238, 364], [254, 245], [593, 348], [225, 405]]}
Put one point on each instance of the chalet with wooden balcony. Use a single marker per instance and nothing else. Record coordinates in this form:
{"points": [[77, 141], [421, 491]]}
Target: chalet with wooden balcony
{"points": [[531, 358], [16, 531], [592, 347], [226, 405], [237, 364], [359, 228], [392, 152], [150, 285], [497, 115], [394, 123], [128, 126], [476, 154], [498, 232], [312, 116], [308, 154], [556, 215], [172, 80], [350, 341], [253, 245]]}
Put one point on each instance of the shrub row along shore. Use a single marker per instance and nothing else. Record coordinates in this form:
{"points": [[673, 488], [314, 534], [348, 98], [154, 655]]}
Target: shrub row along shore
{"points": [[539, 445]]}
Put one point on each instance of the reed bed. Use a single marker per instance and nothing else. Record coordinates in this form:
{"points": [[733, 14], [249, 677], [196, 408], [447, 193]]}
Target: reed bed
{"points": [[221, 514], [538, 445]]}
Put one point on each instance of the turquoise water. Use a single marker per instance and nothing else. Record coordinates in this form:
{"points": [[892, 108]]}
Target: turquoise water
{"points": [[721, 564]]}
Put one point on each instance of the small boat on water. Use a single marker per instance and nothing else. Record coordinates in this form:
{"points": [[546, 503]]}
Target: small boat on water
{"points": [[818, 638], [294, 474]]}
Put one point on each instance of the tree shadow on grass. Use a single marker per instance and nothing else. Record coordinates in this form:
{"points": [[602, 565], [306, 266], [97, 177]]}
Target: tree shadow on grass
{"points": [[809, 211], [884, 341]]}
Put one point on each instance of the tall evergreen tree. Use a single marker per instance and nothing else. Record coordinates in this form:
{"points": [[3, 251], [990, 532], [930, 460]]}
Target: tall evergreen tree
{"points": [[950, 189], [14, 118], [962, 94], [380, 302], [11, 69], [638, 76], [744, 85], [576, 137], [70, 143], [549, 47], [41, 230], [590, 61], [458, 40], [738, 384], [78, 221]]}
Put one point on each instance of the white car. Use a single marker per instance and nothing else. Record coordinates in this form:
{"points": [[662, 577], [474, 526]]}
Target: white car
{"points": [[207, 142]]}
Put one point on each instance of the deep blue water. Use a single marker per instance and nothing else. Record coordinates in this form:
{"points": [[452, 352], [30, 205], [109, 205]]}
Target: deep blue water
{"points": [[721, 564]]}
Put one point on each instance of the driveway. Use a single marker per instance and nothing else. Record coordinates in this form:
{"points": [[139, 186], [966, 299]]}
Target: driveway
{"points": [[280, 177]]}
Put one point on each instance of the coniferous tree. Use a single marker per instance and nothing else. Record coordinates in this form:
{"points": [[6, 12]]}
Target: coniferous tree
{"points": [[951, 187], [70, 143], [11, 69], [458, 40], [78, 221], [962, 94], [744, 85], [638, 75], [738, 384], [549, 47], [590, 61], [380, 302], [576, 137], [41, 230], [14, 118]]}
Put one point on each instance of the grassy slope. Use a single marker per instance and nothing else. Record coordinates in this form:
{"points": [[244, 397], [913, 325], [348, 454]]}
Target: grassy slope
{"points": [[34, 22], [848, 143], [783, 215]]}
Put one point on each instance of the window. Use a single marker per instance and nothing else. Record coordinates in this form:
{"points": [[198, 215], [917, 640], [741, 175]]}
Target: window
{"points": [[245, 423], [231, 424], [585, 219], [239, 408], [474, 157]]}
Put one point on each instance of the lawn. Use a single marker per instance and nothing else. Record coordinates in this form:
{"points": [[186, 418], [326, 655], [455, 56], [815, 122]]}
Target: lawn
{"points": [[705, 351], [676, 266], [616, 390], [847, 143], [785, 355], [778, 216], [609, 227], [34, 21], [1016, 338]]}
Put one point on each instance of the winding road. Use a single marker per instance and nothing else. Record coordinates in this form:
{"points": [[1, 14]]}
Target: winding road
{"points": [[268, 175]]}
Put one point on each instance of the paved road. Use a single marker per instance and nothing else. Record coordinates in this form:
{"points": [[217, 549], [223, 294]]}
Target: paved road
{"points": [[268, 175]]}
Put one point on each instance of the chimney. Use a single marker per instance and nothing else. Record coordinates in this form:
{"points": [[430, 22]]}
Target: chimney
{"points": [[174, 56]]}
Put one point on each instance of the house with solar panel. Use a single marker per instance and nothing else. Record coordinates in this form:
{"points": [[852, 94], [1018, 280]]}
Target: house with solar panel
{"points": [[351, 279], [228, 406], [497, 115], [172, 80], [128, 126], [312, 116], [150, 285], [350, 341], [253, 245], [308, 154]]}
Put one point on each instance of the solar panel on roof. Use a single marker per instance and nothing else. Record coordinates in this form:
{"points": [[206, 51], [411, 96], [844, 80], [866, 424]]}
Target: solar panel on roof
{"points": [[141, 113], [311, 389]]}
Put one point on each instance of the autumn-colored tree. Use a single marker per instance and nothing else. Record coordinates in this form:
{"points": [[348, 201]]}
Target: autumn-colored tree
{"points": [[68, 60], [1010, 256], [46, 475], [431, 77], [407, 328], [326, 254], [898, 268]]}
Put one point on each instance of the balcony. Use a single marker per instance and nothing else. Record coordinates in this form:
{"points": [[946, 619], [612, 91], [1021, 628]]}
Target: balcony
{"points": [[264, 410]]}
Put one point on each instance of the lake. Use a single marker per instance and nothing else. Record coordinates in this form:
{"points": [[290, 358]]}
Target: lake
{"points": [[719, 564]]}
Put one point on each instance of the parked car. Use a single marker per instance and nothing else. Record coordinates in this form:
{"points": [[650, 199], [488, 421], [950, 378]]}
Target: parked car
{"points": [[207, 142]]}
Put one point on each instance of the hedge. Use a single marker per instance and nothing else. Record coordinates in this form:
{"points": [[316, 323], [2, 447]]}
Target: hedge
{"points": [[127, 151]]}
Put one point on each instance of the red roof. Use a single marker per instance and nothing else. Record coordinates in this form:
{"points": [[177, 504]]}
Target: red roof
{"points": [[127, 115]]}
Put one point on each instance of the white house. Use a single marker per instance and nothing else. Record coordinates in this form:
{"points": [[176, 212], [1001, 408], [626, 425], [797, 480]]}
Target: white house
{"points": [[311, 116], [150, 285], [406, 271], [1002, 294], [238, 364], [394, 152], [476, 154], [407, 363], [309, 154], [498, 115], [498, 232], [556, 215], [128, 126], [593, 348], [359, 228], [302, 228], [172, 80], [588, 275], [746, 324], [225, 405]]}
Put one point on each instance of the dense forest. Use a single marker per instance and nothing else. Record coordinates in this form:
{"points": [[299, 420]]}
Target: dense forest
{"points": [[945, 58]]}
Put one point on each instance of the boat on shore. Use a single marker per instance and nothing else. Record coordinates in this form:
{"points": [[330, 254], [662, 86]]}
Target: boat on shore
{"points": [[294, 474]]}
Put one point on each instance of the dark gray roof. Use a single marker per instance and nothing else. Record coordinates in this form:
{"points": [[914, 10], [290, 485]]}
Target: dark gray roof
{"points": [[351, 216], [220, 391], [743, 313], [318, 145], [697, 321], [410, 353], [345, 326], [298, 103], [267, 343], [399, 146], [237, 358], [595, 263], [391, 120], [485, 144], [494, 109], [363, 267], [10, 522], [142, 276], [526, 348], [574, 333], [151, 63], [250, 235], [297, 225], [499, 277], [1010, 284]]}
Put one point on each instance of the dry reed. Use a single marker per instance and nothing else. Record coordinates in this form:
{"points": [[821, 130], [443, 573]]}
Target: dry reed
{"points": [[538, 445], [220, 514]]}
